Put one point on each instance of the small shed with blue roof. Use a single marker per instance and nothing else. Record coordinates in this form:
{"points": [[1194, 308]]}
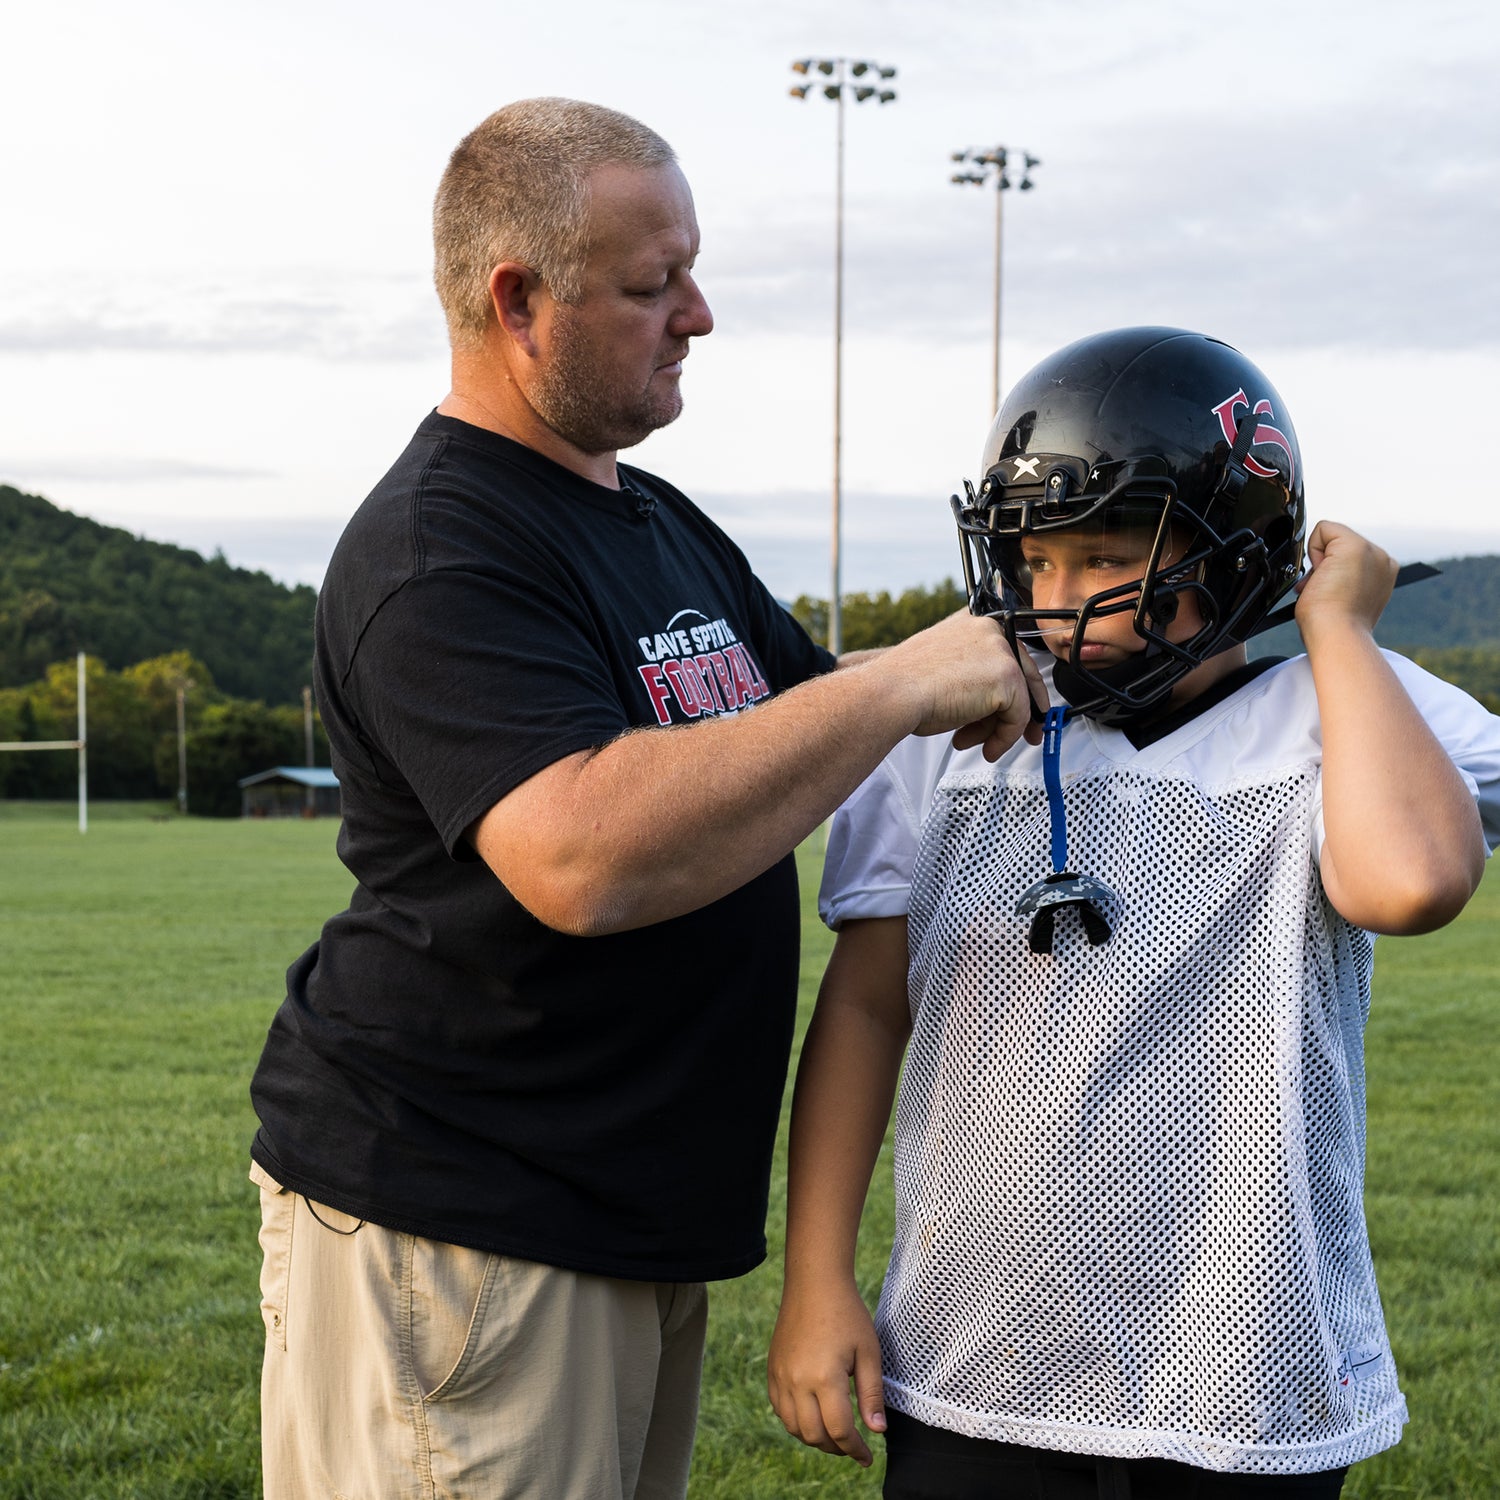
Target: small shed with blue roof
{"points": [[290, 792]]}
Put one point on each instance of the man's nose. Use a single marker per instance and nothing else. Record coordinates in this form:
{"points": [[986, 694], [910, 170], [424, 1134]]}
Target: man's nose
{"points": [[694, 318]]}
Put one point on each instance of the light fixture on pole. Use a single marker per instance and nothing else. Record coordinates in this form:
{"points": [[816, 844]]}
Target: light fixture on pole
{"points": [[838, 71], [992, 165]]}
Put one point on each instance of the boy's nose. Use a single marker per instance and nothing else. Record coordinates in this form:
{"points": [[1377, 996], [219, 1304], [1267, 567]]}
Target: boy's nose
{"points": [[1068, 588]]}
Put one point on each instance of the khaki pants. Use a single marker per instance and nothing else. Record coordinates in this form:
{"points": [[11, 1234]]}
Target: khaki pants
{"points": [[400, 1368]]}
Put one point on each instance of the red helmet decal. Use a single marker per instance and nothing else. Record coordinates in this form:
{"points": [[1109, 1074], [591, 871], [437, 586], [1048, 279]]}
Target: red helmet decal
{"points": [[1264, 433]]}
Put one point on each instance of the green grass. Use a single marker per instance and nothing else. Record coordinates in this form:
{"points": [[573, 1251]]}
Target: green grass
{"points": [[139, 967], [142, 962]]}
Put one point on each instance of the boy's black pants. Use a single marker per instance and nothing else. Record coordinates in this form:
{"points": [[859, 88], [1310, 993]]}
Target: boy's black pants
{"points": [[928, 1463]]}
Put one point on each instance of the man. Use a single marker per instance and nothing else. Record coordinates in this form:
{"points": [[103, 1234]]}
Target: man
{"points": [[519, 1103]]}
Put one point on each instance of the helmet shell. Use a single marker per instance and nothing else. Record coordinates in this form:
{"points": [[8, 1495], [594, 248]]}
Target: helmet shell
{"points": [[1154, 419], [1168, 402]]}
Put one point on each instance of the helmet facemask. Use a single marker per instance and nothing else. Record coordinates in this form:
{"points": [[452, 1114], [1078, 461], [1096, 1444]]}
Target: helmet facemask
{"points": [[1128, 513], [1172, 441]]}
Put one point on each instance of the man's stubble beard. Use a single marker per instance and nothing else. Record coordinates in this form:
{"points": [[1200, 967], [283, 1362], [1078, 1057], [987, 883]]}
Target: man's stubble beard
{"points": [[575, 400]]}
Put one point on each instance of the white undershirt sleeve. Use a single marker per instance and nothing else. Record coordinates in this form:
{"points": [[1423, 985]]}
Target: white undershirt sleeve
{"points": [[872, 841]]}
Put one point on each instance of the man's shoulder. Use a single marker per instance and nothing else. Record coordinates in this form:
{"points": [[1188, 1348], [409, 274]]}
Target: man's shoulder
{"points": [[451, 489], [449, 459]]}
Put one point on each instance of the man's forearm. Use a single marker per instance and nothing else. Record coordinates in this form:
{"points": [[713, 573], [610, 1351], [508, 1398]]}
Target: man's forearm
{"points": [[664, 820]]}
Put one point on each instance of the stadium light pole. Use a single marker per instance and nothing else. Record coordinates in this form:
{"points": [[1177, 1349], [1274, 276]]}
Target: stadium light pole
{"points": [[985, 165], [844, 76]]}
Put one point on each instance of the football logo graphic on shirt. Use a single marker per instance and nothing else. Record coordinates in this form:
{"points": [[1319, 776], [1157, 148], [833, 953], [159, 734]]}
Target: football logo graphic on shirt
{"points": [[698, 666], [1264, 433]]}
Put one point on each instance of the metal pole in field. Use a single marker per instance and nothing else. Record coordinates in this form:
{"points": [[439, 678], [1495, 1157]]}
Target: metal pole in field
{"points": [[309, 801], [833, 68], [83, 742], [182, 748]]}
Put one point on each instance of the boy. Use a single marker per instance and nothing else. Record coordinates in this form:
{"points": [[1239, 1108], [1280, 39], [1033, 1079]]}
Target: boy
{"points": [[1130, 1252]]}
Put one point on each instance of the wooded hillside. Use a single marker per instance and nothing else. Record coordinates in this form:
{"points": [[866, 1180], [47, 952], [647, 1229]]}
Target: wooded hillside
{"points": [[154, 617], [68, 584]]}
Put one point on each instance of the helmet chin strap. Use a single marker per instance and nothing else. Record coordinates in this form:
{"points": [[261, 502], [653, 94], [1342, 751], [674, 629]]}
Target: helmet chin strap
{"points": [[1089, 695], [1407, 573]]}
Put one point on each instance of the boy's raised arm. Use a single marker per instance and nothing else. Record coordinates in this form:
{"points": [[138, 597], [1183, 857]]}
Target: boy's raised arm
{"points": [[1403, 846], [846, 1081]]}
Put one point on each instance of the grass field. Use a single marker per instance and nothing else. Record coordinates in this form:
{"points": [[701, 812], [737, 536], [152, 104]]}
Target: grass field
{"points": [[139, 967]]}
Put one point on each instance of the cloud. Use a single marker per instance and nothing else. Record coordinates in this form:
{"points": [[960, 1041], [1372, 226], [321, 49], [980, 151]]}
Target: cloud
{"points": [[1320, 177], [1341, 244], [278, 311], [102, 469], [1350, 202]]}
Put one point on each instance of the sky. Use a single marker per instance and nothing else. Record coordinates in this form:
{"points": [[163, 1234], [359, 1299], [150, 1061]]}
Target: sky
{"points": [[217, 326]]}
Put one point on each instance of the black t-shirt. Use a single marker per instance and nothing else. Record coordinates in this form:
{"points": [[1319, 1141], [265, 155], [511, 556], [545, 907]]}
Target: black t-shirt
{"points": [[444, 1064]]}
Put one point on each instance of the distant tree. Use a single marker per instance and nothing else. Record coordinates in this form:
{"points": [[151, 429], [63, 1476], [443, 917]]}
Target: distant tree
{"points": [[871, 620], [132, 734], [31, 774], [158, 678], [234, 739], [1476, 669], [812, 615], [1460, 607]]}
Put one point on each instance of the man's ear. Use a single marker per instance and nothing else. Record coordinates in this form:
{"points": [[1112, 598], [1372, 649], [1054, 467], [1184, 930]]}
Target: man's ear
{"points": [[514, 293]]}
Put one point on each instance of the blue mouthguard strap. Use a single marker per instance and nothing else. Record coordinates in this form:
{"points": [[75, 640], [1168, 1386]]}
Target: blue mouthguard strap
{"points": [[1052, 775]]}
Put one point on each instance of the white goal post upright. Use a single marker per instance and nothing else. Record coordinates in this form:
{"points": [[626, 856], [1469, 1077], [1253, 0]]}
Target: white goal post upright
{"points": [[80, 745]]}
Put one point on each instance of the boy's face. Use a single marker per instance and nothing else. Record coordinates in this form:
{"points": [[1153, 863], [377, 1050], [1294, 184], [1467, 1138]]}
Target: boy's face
{"points": [[1067, 568]]}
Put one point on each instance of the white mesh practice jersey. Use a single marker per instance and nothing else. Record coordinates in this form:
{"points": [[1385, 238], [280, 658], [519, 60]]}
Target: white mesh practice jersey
{"points": [[1129, 1177]]}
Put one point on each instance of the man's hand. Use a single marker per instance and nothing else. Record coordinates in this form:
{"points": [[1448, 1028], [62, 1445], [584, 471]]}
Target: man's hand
{"points": [[970, 681], [820, 1344]]}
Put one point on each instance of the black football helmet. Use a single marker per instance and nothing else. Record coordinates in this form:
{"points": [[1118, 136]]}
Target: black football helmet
{"points": [[1171, 434]]}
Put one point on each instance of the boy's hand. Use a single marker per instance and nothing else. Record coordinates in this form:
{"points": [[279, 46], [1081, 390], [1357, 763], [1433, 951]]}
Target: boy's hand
{"points": [[1351, 580], [820, 1343]]}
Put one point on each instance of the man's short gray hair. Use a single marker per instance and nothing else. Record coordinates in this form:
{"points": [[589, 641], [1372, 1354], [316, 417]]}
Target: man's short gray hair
{"points": [[516, 188]]}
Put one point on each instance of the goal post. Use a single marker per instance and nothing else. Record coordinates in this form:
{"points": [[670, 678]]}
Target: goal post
{"points": [[80, 745]]}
